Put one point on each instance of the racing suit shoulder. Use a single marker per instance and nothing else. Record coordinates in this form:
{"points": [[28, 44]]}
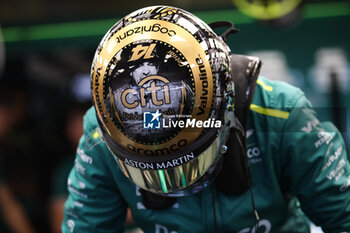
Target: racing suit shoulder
{"points": [[308, 157], [311, 159], [271, 106], [276, 94], [315, 167]]}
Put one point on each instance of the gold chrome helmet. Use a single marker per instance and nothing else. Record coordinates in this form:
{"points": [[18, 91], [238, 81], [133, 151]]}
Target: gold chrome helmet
{"points": [[159, 78]]}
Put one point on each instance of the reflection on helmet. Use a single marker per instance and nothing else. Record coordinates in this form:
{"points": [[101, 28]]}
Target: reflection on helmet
{"points": [[158, 83]]}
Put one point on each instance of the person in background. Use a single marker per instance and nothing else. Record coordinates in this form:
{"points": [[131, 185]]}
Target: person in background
{"points": [[73, 131], [13, 216], [79, 102], [13, 144]]}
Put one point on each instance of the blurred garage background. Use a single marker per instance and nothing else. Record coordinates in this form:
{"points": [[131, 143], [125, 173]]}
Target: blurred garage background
{"points": [[44, 86]]}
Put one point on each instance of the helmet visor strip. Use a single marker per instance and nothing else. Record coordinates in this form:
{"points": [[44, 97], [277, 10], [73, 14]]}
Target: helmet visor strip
{"points": [[168, 178]]}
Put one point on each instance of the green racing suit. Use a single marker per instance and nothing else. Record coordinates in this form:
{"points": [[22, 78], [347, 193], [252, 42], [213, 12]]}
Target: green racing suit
{"points": [[299, 167]]}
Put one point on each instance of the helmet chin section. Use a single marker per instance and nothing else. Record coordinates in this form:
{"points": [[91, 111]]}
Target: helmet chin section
{"points": [[194, 174]]}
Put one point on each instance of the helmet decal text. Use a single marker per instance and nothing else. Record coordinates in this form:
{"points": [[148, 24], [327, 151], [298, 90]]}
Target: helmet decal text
{"points": [[153, 88]]}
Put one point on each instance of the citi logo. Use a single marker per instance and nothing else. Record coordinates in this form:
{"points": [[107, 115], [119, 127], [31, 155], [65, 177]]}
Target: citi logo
{"points": [[157, 85]]}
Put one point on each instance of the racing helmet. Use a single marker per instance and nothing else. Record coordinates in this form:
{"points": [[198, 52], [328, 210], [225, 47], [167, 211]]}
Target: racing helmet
{"points": [[159, 78]]}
